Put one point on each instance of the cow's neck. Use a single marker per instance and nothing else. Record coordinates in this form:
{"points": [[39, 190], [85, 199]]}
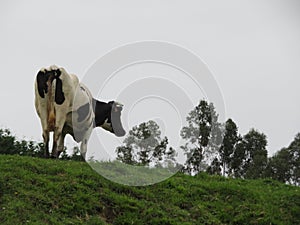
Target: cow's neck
{"points": [[102, 111]]}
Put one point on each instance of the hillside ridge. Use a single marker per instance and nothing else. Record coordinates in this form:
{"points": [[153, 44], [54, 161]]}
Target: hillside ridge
{"points": [[44, 191]]}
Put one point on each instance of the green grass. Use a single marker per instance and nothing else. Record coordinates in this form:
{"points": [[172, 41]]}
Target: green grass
{"points": [[131, 175], [40, 191]]}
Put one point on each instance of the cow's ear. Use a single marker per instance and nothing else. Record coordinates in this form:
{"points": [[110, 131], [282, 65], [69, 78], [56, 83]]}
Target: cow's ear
{"points": [[59, 94], [41, 80], [117, 107]]}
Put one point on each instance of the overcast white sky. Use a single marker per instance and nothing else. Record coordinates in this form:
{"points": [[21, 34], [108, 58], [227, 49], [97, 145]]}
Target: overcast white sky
{"points": [[252, 47]]}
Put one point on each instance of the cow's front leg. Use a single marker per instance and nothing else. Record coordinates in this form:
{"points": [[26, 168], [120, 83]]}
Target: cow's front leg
{"points": [[83, 146]]}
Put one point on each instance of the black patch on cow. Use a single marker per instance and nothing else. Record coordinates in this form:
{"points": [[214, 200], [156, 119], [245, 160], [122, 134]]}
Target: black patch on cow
{"points": [[41, 80], [83, 112], [102, 112], [59, 94]]}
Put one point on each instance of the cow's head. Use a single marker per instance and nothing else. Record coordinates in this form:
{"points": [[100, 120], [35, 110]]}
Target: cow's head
{"points": [[108, 116]]}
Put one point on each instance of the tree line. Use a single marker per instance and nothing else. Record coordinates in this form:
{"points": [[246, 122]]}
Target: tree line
{"points": [[210, 146], [10, 145]]}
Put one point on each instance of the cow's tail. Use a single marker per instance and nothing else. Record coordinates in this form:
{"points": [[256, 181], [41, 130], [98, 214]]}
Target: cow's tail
{"points": [[50, 105]]}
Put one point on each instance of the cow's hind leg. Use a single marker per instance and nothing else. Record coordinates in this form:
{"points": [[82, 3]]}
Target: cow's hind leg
{"points": [[60, 147], [45, 131], [58, 140], [58, 134], [46, 143]]}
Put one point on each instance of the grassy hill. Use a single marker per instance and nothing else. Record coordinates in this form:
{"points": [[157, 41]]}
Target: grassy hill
{"points": [[40, 191]]}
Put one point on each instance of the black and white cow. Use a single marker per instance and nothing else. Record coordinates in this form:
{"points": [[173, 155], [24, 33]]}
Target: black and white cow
{"points": [[66, 106]]}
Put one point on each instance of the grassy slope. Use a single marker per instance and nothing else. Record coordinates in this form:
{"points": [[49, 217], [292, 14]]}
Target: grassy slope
{"points": [[40, 191]]}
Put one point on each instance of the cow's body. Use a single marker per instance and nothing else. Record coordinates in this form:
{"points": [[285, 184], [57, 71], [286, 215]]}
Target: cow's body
{"points": [[66, 106], [56, 105]]}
